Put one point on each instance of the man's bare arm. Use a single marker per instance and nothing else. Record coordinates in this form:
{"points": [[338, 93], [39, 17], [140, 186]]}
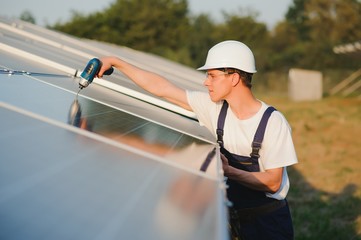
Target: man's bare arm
{"points": [[267, 181], [149, 81]]}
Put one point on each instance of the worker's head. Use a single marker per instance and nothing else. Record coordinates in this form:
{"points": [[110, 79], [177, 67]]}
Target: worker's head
{"points": [[232, 57]]}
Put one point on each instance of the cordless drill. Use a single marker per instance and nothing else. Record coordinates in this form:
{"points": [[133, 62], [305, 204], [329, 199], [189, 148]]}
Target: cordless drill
{"points": [[90, 72]]}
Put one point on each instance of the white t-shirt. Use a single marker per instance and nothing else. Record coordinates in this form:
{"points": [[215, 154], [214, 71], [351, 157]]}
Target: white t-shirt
{"points": [[277, 147]]}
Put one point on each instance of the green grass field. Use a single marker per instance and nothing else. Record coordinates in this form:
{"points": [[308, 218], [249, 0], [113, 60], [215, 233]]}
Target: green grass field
{"points": [[325, 194]]}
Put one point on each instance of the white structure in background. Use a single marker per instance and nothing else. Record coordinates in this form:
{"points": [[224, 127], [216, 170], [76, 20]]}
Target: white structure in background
{"points": [[304, 85]]}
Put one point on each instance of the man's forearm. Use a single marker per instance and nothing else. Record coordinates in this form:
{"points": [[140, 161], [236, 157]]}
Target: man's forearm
{"points": [[149, 81], [268, 181]]}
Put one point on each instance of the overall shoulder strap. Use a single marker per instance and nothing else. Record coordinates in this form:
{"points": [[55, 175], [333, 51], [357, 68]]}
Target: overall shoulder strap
{"points": [[220, 124], [258, 137]]}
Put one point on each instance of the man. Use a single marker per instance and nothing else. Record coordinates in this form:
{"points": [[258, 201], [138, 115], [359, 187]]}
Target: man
{"points": [[255, 164]]}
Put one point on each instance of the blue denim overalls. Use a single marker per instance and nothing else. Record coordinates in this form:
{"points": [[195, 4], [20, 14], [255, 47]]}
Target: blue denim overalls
{"points": [[248, 205]]}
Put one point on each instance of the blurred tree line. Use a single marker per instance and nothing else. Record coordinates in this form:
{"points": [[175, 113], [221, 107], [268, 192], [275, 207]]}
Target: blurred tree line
{"points": [[304, 39]]}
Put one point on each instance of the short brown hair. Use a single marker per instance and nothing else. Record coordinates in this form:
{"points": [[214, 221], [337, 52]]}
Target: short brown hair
{"points": [[245, 76]]}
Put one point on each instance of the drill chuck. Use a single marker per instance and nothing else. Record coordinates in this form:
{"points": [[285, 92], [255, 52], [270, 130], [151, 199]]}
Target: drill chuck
{"points": [[90, 72]]}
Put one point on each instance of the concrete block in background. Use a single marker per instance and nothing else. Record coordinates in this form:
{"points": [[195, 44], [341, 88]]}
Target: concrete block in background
{"points": [[304, 85]]}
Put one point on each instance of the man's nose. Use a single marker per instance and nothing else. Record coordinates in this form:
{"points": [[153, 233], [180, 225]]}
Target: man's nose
{"points": [[206, 81]]}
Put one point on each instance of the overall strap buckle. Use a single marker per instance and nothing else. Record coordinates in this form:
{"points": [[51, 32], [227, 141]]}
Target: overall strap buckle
{"points": [[256, 146], [258, 136]]}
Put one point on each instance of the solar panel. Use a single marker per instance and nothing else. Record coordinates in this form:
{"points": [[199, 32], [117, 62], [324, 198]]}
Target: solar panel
{"points": [[103, 163]]}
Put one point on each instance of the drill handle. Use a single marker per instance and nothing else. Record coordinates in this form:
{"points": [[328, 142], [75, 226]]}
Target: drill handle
{"points": [[109, 71]]}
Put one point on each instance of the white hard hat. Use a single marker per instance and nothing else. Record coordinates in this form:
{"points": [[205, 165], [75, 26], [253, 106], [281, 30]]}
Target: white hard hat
{"points": [[230, 54]]}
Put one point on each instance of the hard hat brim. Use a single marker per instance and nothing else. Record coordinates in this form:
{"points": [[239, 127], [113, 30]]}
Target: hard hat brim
{"points": [[207, 67]]}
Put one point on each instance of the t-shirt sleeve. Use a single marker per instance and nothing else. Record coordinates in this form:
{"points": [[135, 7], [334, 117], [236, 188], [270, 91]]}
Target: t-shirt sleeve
{"points": [[203, 107], [278, 148]]}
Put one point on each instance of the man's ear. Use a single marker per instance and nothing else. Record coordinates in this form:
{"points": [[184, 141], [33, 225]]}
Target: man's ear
{"points": [[236, 79]]}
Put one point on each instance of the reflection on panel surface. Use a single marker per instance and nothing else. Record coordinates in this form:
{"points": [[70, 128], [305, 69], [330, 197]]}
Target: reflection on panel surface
{"points": [[123, 126]]}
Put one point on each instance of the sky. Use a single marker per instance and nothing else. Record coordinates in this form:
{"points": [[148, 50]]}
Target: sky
{"points": [[48, 12]]}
